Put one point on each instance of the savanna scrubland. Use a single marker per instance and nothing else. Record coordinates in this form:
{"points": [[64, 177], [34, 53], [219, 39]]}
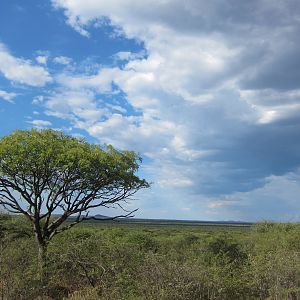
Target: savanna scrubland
{"points": [[117, 261]]}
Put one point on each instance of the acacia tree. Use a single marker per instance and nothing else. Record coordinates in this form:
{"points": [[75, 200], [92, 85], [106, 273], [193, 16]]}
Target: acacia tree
{"points": [[49, 176]]}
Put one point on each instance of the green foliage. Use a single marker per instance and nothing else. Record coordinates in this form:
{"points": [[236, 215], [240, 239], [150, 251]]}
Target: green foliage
{"points": [[107, 261], [47, 154], [224, 247]]}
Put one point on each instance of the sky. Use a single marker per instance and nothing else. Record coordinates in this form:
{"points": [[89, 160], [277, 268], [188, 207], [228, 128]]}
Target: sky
{"points": [[208, 92]]}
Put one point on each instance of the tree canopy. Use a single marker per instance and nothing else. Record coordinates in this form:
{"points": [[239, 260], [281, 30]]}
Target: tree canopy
{"points": [[46, 172]]}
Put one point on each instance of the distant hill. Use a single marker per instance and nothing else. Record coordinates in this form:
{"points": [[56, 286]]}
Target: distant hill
{"points": [[101, 218], [170, 221]]}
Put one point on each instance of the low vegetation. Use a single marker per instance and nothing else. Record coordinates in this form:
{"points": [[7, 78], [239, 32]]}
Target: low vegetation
{"points": [[111, 261]]}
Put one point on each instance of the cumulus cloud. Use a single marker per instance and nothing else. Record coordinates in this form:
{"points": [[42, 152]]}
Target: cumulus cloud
{"points": [[38, 99], [7, 96], [40, 123], [127, 55], [42, 59], [78, 107], [215, 96], [63, 60], [21, 70]]}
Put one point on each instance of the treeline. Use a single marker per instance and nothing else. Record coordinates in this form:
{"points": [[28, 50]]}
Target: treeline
{"points": [[133, 262]]}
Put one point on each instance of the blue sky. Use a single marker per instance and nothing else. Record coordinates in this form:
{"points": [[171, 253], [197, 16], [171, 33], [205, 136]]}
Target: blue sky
{"points": [[208, 93]]}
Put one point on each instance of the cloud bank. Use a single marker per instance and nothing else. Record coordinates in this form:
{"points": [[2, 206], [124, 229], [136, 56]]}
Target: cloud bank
{"points": [[211, 99]]}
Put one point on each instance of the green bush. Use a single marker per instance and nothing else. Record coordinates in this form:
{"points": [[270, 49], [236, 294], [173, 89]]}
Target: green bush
{"points": [[101, 261]]}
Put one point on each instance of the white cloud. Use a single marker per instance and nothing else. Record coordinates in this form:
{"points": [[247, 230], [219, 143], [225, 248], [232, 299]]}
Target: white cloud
{"points": [[63, 60], [79, 107], [42, 59], [38, 99], [21, 70], [101, 82], [7, 96], [126, 55], [133, 132], [40, 123]]}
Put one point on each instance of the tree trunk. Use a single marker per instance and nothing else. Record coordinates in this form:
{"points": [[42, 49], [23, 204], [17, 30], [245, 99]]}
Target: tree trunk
{"points": [[42, 255], [42, 247], [42, 259]]}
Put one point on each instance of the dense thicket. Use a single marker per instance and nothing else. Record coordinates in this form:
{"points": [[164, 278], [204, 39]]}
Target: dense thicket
{"points": [[129, 262]]}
